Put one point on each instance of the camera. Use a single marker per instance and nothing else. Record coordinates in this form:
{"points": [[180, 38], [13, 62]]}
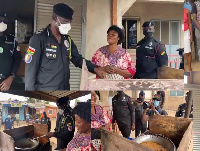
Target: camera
{"points": [[146, 105]]}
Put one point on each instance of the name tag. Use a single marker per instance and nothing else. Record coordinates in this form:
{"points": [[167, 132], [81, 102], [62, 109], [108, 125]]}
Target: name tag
{"points": [[51, 50], [148, 47]]}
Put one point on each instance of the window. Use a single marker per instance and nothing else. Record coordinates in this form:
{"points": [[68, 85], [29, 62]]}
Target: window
{"points": [[168, 32], [131, 33], [50, 112], [176, 93]]}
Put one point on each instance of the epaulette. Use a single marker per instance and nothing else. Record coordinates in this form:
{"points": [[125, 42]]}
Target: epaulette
{"points": [[39, 31]]}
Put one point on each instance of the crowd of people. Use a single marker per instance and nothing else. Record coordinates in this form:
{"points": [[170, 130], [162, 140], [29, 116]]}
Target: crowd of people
{"points": [[127, 114]]}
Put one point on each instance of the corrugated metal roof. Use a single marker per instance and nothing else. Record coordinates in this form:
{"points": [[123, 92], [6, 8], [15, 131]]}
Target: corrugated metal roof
{"points": [[196, 118]]}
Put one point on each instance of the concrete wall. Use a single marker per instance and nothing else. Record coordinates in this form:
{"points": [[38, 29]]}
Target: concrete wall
{"points": [[153, 10], [122, 7], [98, 20], [195, 78]]}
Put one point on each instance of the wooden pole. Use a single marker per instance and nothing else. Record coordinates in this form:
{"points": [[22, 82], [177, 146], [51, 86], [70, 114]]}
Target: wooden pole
{"points": [[114, 12], [189, 104]]}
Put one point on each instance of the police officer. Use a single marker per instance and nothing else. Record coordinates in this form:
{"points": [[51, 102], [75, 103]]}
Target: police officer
{"points": [[153, 108], [150, 54], [65, 126], [50, 52], [9, 123], [182, 108], [181, 54], [123, 113], [46, 120], [139, 126], [10, 57]]}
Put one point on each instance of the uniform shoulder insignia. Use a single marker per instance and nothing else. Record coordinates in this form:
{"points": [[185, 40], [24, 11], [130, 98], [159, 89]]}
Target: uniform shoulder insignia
{"points": [[40, 31]]}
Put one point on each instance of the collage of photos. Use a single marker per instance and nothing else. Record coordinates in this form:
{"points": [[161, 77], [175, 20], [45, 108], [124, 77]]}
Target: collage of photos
{"points": [[99, 75]]}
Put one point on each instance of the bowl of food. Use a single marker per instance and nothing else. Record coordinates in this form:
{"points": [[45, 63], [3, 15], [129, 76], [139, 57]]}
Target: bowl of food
{"points": [[156, 142], [26, 144]]}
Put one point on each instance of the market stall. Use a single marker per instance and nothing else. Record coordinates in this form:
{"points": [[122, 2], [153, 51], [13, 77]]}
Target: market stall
{"points": [[33, 137]]}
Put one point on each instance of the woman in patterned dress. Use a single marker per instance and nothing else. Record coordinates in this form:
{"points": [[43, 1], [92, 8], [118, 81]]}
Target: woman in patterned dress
{"points": [[114, 60], [99, 117]]}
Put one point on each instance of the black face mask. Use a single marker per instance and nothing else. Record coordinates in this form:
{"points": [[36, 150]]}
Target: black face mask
{"points": [[147, 34]]}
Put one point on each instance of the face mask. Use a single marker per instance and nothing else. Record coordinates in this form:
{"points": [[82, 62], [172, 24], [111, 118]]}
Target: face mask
{"points": [[156, 103], [64, 28], [147, 34], [60, 111], [3, 27], [9, 116]]}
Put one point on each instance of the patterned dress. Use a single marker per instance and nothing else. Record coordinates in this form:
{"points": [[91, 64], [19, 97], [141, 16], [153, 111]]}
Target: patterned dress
{"points": [[80, 143], [120, 59], [100, 118]]}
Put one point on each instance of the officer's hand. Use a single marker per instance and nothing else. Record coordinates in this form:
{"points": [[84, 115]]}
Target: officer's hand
{"points": [[109, 69], [100, 73], [50, 134], [113, 126], [133, 127], [5, 85]]}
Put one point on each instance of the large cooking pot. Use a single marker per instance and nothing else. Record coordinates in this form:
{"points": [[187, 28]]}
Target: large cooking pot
{"points": [[161, 140], [26, 144]]}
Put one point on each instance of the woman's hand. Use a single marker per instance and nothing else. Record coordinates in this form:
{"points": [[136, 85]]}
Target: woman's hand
{"points": [[109, 69]]}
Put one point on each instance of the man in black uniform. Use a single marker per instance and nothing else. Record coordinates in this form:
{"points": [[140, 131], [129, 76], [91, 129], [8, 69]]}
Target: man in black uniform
{"points": [[46, 120], [153, 108], [10, 57], [65, 126], [150, 54], [182, 108], [50, 52], [139, 126], [123, 113], [181, 54]]}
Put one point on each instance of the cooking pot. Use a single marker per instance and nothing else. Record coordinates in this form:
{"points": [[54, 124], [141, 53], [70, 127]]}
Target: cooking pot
{"points": [[161, 140], [26, 144]]}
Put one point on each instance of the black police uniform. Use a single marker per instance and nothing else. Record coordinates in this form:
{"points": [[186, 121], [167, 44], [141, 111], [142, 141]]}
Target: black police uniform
{"points": [[181, 54], [49, 67], [182, 109], [46, 121], [64, 131], [123, 113], [10, 58], [150, 55], [139, 126]]}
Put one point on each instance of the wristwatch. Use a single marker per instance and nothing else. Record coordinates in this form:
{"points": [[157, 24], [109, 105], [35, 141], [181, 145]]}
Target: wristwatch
{"points": [[12, 75]]}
